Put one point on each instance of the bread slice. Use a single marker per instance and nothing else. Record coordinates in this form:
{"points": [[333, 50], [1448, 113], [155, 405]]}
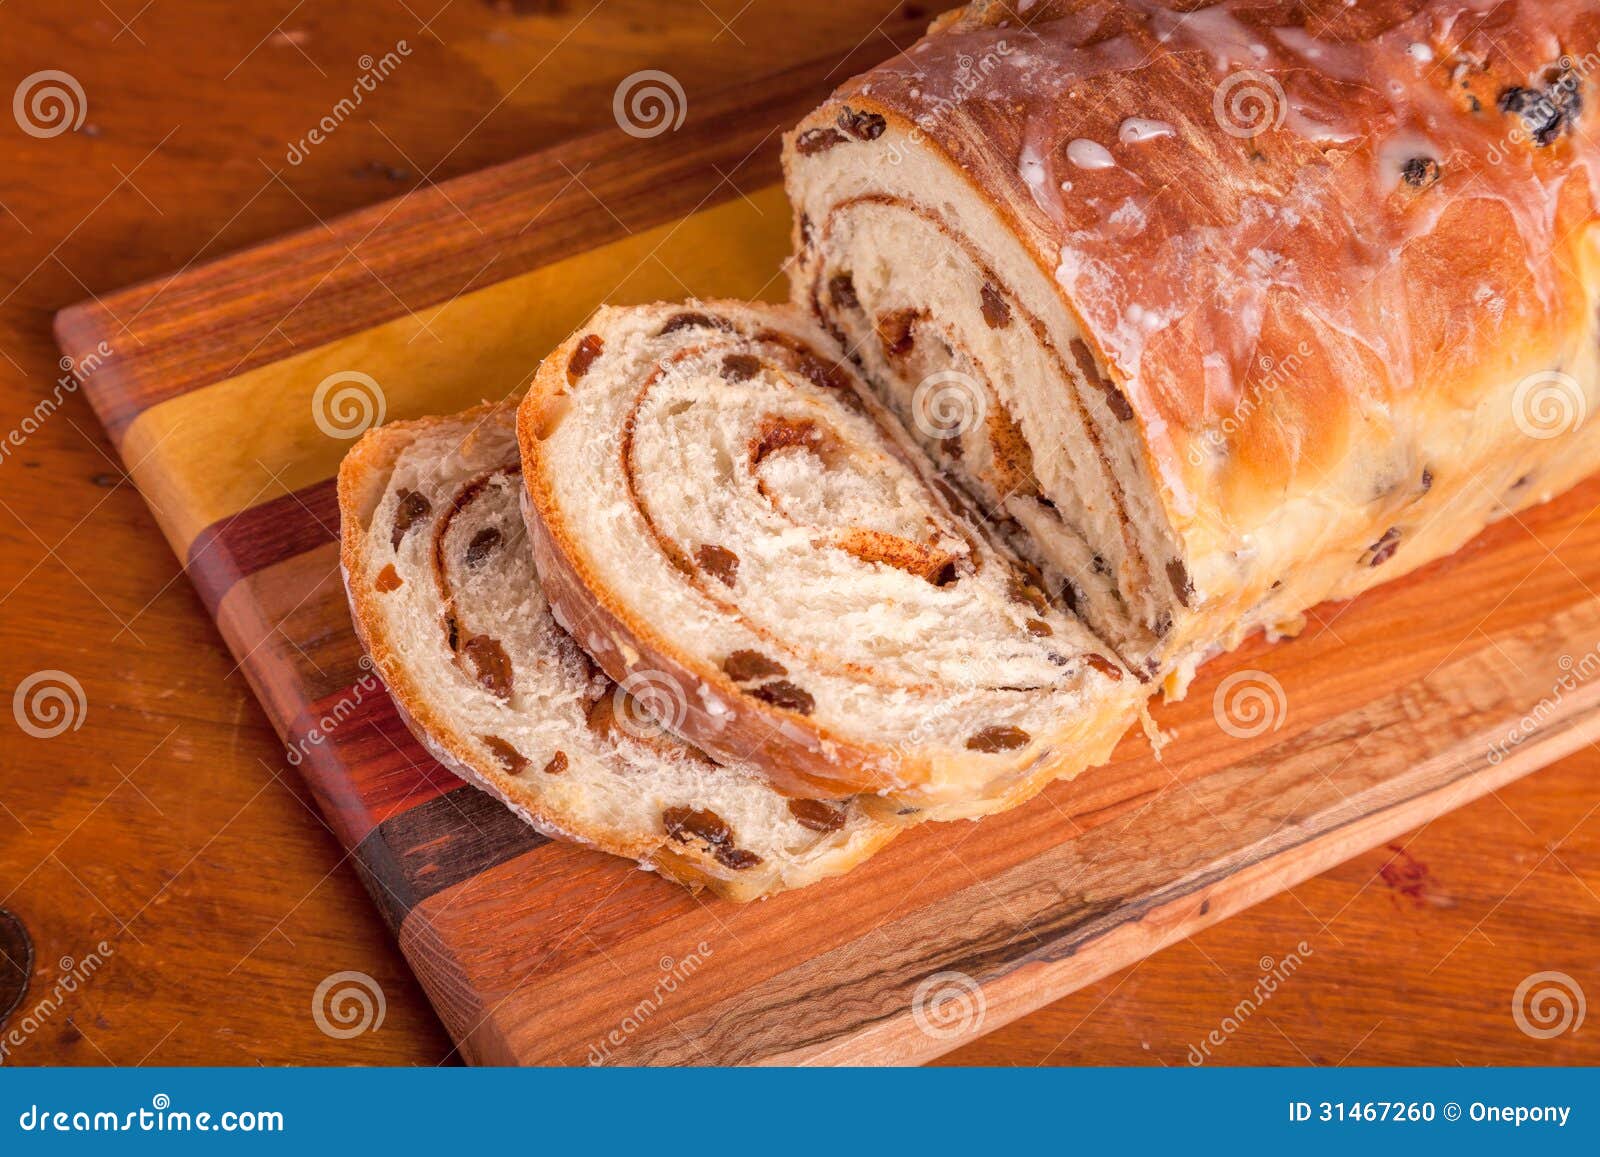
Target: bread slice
{"points": [[445, 599], [722, 516]]}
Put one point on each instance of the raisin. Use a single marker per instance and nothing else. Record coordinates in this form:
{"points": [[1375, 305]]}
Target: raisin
{"points": [[1427, 480], [412, 508], [748, 666], [1420, 172], [388, 580], [826, 375], [1070, 597], [1383, 550], [993, 739], [736, 858], [896, 331], [995, 310], [557, 764], [1039, 628], [718, 561], [452, 632], [1116, 400], [1024, 590], [788, 696], [814, 141], [805, 229], [863, 126], [692, 319], [816, 815], [1105, 666], [583, 356], [686, 823], [1546, 115], [740, 367], [507, 756], [482, 546], [1100, 565], [842, 291], [491, 666], [1178, 576]]}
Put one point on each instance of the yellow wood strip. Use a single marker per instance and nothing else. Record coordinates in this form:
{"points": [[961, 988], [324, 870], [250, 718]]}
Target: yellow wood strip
{"points": [[246, 440]]}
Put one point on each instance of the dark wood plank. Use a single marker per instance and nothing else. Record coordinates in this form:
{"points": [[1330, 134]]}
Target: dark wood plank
{"points": [[343, 276]]}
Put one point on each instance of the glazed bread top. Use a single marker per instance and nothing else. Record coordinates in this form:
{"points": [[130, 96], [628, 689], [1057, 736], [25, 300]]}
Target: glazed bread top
{"points": [[1333, 256]]}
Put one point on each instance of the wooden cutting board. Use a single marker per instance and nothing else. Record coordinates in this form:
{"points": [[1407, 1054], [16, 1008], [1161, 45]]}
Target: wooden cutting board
{"points": [[1283, 761]]}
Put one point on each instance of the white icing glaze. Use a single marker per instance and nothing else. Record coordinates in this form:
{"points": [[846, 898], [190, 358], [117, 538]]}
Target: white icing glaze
{"points": [[1092, 155]]}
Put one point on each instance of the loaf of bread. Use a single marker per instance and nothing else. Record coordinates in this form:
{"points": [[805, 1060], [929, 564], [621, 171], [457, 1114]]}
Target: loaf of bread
{"points": [[720, 515], [444, 596], [1211, 312], [1260, 303]]}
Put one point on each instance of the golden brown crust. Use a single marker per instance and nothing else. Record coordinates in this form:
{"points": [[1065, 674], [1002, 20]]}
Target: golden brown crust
{"points": [[1356, 230]]}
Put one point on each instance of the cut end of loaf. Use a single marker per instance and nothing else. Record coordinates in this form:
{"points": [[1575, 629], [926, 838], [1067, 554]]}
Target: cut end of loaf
{"points": [[958, 328]]}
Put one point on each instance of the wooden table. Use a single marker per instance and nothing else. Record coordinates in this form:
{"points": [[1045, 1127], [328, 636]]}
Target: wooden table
{"points": [[165, 845]]}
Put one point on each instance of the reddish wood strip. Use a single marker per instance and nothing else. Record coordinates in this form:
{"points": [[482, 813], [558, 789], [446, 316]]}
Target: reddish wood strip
{"points": [[362, 761], [261, 536], [435, 845]]}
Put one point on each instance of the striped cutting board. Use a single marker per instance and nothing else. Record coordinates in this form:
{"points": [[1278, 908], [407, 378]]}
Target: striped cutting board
{"points": [[214, 385]]}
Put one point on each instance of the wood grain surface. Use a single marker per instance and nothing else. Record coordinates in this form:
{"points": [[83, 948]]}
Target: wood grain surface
{"points": [[168, 827]]}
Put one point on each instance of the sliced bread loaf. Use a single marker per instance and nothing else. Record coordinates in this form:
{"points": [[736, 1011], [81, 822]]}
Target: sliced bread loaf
{"points": [[444, 596], [726, 521]]}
